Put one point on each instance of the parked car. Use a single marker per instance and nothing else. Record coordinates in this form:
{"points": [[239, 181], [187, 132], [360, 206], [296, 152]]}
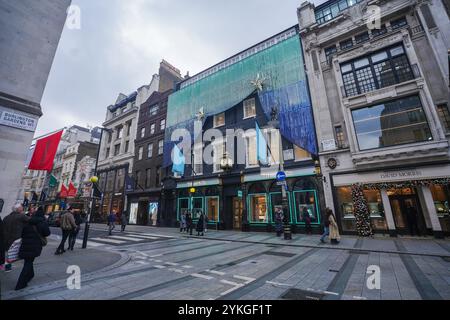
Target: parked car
{"points": [[54, 218]]}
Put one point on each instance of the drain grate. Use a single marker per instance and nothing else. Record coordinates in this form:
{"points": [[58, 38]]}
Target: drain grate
{"points": [[280, 254], [358, 252], [298, 294]]}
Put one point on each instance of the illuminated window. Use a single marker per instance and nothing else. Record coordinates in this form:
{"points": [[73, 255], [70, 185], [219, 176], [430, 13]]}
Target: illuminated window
{"points": [[249, 108]]}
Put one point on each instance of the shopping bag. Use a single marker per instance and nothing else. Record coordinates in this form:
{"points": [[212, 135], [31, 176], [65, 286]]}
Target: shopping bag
{"points": [[13, 253]]}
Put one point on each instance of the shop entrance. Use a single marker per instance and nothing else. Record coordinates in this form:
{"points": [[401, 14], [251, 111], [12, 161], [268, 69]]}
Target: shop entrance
{"points": [[408, 216], [237, 213]]}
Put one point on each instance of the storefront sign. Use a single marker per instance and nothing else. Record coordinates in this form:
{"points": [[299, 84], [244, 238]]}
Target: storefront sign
{"points": [[288, 154], [17, 120], [407, 174], [240, 194], [328, 145]]}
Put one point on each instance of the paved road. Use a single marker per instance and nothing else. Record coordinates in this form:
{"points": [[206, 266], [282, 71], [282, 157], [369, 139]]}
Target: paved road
{"points": [[162, 264]]}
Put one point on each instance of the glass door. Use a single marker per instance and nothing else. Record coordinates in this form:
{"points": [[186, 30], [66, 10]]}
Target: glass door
{"points": [[237, 213]]}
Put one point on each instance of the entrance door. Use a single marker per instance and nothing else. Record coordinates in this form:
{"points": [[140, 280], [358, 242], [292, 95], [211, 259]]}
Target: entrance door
{"points": [[407, 213], [237, 213]]}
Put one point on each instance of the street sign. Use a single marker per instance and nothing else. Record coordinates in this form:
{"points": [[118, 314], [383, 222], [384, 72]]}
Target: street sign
{"points": [[240, 195], [281, 176]]}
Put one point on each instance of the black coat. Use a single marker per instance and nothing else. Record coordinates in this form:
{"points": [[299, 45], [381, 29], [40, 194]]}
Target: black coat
{"points": [[31, 242], [2, 244], [200, 224]]}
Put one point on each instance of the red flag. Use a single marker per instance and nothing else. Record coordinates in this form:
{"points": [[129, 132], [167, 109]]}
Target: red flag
{"points": [[72, 191], [64, 192], [44, 152]]}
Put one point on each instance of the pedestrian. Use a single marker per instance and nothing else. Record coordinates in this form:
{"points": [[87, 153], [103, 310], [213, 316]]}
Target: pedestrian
{"points": [[2, 245], [12, 228], [200, 225], [307, 219], [326, 227], [335, 238], [34, 239], [183, 221], [411, 217], [68, 226], [73, 235], [188, 223], [205, 222], [112, 221], [279, 221], [124, 221]]}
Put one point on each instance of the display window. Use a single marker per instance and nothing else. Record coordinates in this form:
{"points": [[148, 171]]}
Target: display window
{"points": [[258, 208], [276, 200], [212, 208], [441, 197], [306, 204]]}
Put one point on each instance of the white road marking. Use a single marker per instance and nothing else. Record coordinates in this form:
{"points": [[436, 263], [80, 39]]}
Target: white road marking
{"points": [[359, 298], [126, 238], [247, 279], [216, 272], [176, 270], [187, 267], [142, 262], [279, 284], [160, 267], [230, 283], [109, 240], [141, 236], [197, 275], [172, 263], [90, 243], [156, 255], [150, 234], [333, 293]]}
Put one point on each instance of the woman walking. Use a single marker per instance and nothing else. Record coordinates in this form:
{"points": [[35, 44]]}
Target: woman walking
{"points": [[188, 223], [200, 225], [279, 221], [307, 220], [333, 227], [183, 221], [33, 239]]}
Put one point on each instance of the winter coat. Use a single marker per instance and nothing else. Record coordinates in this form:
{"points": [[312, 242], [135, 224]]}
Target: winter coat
{"points": [[78, 220], [183, 221], [278, 222], [188, 221], [2, 243], [334, 229], [111, 218], [68, 221], [12, 227], [200, 224], [31, 242], [124, 220]]}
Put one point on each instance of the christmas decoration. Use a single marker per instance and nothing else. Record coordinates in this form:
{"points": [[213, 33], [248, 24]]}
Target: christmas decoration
{"points": [[404, 184], [361, 212]]}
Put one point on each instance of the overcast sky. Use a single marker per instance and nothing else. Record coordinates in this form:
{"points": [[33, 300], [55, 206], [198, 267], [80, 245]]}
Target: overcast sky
{"points": [[121, 43]]}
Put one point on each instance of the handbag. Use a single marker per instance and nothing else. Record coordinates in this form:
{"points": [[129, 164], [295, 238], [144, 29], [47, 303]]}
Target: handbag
{"points": [[13, 252], [43, 240]]}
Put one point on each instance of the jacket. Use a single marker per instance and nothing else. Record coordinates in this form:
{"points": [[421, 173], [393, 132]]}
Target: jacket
{"points": [[200, 224], [334, 229], [31, 242], [111, 218], [2, 243], [12, 227], [68, 221]]}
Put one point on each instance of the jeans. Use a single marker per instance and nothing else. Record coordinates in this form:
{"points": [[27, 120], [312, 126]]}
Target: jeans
{"points": [[112, 226], [65, 235], [326, 233], [73, 237], [123, 227], [26, 275]]}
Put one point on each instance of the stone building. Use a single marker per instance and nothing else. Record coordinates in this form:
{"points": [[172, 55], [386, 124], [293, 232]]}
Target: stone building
{"points": [[30, 32], [380, 93]]}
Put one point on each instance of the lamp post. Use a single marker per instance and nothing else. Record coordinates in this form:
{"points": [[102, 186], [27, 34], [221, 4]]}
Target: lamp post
{"points": [[93, 179]]}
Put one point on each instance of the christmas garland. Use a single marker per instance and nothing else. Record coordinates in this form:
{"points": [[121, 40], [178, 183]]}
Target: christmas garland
{"points": [[403, 184], [361, 212]]}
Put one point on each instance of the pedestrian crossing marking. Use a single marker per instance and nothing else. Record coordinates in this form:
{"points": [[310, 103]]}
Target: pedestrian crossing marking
{"points": [[109, 240], [197, 275], [216, 272], [247, 279], [126, 238], [149, 234], [89, 243]]}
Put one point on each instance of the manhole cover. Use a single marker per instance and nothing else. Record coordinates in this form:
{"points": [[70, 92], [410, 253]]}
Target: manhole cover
{"points": [[280, 254], [298, 294]]}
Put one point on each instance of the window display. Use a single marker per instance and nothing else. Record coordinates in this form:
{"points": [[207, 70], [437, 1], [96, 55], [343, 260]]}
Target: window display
{"points": [[197, 208], [441, 197], [258, 208], [152, 213], [212, 208], [133, 213], [306, 205]]}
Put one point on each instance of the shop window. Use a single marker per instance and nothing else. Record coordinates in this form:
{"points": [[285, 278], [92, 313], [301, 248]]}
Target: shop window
{"points": [[110, 181], [212, 208], [345, 205], [197, 207], [301, 154], [392, 123], [258, 208], [276, 201], [306, 204], [120, 180], [441, 198], [444, 114], [376, 210]]}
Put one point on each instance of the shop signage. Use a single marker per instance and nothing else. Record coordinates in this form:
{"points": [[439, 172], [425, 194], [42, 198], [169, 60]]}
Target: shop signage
{"points": [[240, 194], [288, 154], [328, 145], [407, 174], [17, 120]]}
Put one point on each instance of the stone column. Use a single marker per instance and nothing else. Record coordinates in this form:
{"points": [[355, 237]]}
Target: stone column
{"points": [[388, 213], [430, 210]]}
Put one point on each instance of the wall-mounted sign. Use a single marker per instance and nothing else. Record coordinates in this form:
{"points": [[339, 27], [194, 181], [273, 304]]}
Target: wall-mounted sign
{"points": [[288, 154], [407, 174], [19, 120], [328, 145]]}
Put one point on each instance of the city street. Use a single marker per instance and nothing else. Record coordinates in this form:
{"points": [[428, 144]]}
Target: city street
{"points": [[161, 263]]}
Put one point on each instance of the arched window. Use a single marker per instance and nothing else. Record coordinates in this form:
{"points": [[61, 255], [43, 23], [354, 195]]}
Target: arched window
{"points": [[257, 188]]}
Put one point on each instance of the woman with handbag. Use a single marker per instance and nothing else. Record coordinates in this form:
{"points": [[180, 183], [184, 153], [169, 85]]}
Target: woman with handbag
{"points": [[33, 239]]}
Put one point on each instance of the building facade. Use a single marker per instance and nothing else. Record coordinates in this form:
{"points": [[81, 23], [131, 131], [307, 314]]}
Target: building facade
{"points": [[30, 36], [380, 96], [221, 107]]}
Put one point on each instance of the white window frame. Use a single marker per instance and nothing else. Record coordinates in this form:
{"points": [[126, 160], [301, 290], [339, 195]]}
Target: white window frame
{"points": [[160, 147], [244, 104], [143, 132], [152, 128], [218, 154], [198, 167], [140, 153], [150, 147], [247, 137], [216, 117], [162, 124]]}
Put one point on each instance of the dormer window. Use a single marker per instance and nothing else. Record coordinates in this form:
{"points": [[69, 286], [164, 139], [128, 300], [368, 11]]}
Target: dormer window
{"points": [[219, 120]]}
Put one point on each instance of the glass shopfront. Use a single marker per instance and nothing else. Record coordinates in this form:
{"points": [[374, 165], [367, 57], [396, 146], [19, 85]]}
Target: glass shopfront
{"points": [[306, 204], [276, 201], [441, 198], [205, 200], [374, 204], [258, 208], [212, 208]]}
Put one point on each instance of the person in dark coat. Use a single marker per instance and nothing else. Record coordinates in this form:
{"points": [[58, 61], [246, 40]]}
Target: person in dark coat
{"points": [[2, 244], [307, 220], [12, 228], [411, 217], [188, 223], [124, 221], [73, 235], [279, 221], [33, 235], [200, 225]]}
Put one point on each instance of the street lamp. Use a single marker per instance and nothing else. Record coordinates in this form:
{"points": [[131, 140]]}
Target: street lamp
{"points": [[94, 180], [226, 163]]}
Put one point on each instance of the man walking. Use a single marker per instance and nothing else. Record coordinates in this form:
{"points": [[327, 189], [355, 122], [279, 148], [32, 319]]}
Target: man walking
{"points": [[112, 221], [124, 221], [68, 225], [12, 228], [73, 235]]}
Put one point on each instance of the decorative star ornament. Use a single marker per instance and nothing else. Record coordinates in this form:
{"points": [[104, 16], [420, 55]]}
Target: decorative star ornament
{"points": [[200, 114], [258, 83]]}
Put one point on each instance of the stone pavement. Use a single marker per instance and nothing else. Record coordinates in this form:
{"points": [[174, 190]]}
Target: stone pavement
{"points": [[234, 265]]}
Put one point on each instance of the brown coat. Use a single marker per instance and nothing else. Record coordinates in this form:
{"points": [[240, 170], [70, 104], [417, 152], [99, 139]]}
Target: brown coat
{"points": [[12, 227], [68, 221], [334, 229]]}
